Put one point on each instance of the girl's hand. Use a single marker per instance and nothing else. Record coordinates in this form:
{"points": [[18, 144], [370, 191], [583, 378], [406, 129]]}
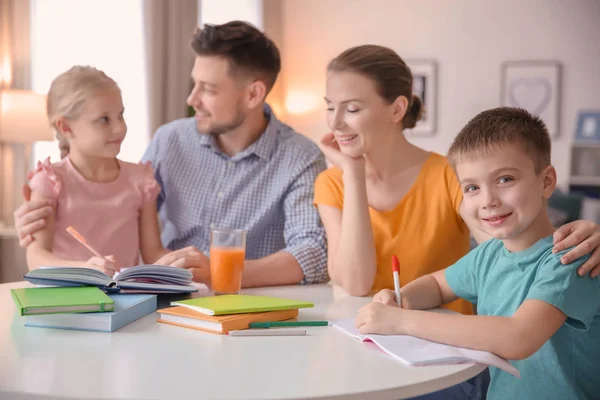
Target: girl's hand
{"points": [[380, 319], [585, 236], [332, 151], [386, 297], [103, 264]]}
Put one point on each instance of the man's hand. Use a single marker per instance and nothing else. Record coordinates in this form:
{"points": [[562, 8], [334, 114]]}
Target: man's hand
{"points": [[190, 258], [585, 237], [29, 217]]}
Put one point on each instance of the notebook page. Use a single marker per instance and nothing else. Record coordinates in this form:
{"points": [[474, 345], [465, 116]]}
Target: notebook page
{"points": [[415, 351]]}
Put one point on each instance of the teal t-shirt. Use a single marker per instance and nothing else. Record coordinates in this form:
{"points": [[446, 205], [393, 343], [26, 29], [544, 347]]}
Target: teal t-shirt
{"points": [[568, 365]]}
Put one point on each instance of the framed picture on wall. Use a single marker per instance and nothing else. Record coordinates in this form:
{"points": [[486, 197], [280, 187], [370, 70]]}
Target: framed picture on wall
{"points": [[425, 86], [588, 126], [534, 86]]}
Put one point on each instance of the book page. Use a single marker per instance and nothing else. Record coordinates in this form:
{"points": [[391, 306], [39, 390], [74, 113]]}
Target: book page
{"points": [[415, 351], [68, 274], [155, 274]]}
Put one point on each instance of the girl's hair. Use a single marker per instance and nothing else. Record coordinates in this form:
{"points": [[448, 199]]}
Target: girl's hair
{"points": [[68, 93], [390, 73]]}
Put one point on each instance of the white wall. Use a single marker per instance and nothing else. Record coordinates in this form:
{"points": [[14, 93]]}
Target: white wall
{"points": [[221, 11], [469, 39]]}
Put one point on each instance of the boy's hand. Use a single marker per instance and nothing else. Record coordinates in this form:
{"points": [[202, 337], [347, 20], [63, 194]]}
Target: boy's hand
{"points": [[585, 236], [378, 318], [106, 265], [387, 297]]}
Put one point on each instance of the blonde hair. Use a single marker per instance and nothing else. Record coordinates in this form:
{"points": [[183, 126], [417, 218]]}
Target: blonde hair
{"points": [[68, 93]]}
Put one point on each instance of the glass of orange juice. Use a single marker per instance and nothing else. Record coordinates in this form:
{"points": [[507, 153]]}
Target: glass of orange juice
{"points": [[227, 254]]}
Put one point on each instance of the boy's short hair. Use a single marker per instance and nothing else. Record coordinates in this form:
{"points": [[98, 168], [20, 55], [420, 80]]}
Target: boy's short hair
{"points": [[497, 127], [246, 49]]}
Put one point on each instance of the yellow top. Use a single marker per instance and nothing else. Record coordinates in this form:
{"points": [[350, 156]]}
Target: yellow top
{"points": [[425, 229]]}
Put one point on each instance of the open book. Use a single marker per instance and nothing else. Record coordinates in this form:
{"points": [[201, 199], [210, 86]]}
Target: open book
{"points": [[416, 351], [138, 279]]}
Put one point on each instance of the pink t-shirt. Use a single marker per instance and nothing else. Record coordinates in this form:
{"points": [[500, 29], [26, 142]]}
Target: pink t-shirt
{"points": [[106, 214]]}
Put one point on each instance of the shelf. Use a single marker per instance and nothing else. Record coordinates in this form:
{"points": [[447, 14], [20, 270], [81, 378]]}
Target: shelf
{"points": [[585, 180], [583, 144]]}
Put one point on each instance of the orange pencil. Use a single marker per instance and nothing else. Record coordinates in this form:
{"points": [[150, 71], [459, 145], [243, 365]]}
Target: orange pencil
{"points": [[82, 240]]}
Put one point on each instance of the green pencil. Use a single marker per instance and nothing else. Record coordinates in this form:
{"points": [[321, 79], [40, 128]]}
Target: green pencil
{"points": [[288, 323]]}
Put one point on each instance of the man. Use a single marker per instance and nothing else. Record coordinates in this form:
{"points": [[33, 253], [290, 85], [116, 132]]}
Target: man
{"points": [[234, 165]]}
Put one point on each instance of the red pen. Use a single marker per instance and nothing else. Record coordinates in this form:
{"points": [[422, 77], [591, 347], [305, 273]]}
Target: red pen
{"points": [[396, 271]]}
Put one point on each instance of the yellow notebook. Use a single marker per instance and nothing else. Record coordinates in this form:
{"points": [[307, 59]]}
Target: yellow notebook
{"points": [[240, 304]]}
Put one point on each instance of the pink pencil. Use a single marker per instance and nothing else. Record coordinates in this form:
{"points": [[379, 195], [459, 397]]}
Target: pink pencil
{"points": [[82, 240], [396, 271]]}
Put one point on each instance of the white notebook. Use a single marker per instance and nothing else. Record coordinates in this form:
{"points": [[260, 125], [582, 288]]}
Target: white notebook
{"points": [[415, 351]]}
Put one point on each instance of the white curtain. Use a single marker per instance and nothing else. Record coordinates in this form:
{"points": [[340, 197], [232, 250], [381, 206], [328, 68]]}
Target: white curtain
{"points": [[168, 29], [15, 72]]}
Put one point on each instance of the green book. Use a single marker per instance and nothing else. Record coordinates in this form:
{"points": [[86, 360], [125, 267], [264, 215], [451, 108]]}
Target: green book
{"points": [[54, 300], [240, 304]]}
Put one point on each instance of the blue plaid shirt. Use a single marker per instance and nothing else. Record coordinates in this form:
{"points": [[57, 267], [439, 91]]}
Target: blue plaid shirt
{"points": [[266, 189]]}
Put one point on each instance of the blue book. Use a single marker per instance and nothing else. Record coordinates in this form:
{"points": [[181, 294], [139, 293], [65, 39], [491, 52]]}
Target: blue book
{"points": [[128, 308]]}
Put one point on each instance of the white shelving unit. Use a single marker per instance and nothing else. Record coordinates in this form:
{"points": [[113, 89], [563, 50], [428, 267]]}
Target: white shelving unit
{"points": [[585, 166], [585, 177]]}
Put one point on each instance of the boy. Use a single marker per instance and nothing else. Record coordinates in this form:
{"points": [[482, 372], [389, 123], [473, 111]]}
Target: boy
{"points": [[532, 310]]}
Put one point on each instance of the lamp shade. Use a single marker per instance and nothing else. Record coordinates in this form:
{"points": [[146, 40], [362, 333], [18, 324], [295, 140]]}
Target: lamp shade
{"points": [[23, 117]]}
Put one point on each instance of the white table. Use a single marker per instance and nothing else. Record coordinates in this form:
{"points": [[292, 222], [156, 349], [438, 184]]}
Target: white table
{"points": [[149, 360]]}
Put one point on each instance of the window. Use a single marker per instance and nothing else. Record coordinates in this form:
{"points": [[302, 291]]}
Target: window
{"points": [[106, 34]]}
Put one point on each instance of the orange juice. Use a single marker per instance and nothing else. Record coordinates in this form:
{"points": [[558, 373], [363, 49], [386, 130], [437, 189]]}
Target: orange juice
{"points": [[226, 267]]}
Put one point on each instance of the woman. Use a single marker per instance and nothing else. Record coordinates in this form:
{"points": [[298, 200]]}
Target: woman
{"points": [[387, 196]]}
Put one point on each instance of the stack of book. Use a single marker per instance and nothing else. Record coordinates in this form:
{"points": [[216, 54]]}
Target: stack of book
{"points": [[80, 308], [222, 314]]}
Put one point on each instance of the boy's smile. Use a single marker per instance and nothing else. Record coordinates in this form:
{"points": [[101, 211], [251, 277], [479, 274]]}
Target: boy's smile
{"points": [[497, 220], [505, 197]]}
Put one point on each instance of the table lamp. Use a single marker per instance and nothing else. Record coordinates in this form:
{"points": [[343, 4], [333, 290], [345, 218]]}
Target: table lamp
{"points": [[23, 117], [23, 121]]}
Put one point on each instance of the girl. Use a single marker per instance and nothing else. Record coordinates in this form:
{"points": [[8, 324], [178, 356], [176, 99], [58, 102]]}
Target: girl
{"points": [[110, 202]]}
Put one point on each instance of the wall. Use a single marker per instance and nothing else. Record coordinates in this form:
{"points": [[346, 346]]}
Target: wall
{"points": [[469, 40], [221, 11]]}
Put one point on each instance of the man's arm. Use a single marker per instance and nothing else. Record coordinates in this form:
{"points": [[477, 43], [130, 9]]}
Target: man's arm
{"points": [[304, 259], [281, 268]]}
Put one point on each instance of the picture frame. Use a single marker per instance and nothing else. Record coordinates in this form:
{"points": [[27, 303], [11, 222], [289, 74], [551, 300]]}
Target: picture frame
{"points": [[588, 126], [536, 87], [425, 86]]}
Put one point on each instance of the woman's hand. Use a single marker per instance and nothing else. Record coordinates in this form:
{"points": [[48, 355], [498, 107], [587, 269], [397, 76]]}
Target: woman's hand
{"points": [[331, 149], [584, 236]]}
